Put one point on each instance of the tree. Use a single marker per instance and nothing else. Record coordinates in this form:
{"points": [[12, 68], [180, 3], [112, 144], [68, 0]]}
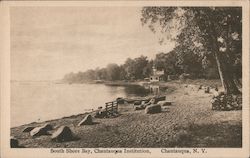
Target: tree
{"points": [[167, 62], [102, 74], [137, 68], [202, 30], [113, 72], [140, 67], [129, 68]]}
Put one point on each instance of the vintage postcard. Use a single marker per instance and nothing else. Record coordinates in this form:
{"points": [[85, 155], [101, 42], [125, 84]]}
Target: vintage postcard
{"points": [[124, 79]]}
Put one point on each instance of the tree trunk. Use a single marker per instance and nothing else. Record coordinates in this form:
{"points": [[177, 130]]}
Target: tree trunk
{"points": [[227, 78]]}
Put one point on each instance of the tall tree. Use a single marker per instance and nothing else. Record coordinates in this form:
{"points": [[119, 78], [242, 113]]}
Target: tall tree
{"points": [[113, 72], [202, 30], [167, 62], [137, 68]]}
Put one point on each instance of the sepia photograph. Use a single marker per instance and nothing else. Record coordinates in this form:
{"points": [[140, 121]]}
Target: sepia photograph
{"points": [[126, 77]]}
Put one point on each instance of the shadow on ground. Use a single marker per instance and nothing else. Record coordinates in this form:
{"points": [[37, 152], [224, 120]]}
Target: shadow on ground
{"points": [[209, 135]]}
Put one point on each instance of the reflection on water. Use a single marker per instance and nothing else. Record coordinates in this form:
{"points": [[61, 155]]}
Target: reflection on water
{"points": [[33, 101], [136, 90], [154, 89]]}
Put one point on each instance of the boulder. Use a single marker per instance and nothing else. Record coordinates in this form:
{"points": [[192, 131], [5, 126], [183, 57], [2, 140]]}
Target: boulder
{"points": [[43, 130], [28, 129], [138, 102], [120, 100], [86, 121], [156, 108], [164, 103], [129, 101], [140, 107], [38, 131], [151, 101], [159, 98], [47, 127], [100, 114], [62, 134], [14, 142]]}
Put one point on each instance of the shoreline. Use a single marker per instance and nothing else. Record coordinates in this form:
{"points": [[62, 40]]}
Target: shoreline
{"points": [[108, 83], [122, 83], [188, 122]]}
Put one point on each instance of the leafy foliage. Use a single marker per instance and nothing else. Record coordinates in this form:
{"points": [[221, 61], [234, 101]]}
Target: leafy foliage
{"points": [[208, 45], [132, 69], [206, 35]]}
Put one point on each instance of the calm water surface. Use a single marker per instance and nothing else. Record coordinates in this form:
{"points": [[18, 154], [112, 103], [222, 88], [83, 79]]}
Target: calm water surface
{"points": [[40, 101]]}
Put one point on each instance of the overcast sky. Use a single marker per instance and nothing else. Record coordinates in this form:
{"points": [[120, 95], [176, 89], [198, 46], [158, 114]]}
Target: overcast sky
{"points": [[48, 42]]}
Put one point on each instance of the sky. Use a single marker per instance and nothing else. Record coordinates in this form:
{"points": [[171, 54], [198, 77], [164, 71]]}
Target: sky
{"points": [[49, 42]]}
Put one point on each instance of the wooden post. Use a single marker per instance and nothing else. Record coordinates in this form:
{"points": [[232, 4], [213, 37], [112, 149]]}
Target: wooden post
{"points": [[112, 108], [106, 109], [116, 107]]}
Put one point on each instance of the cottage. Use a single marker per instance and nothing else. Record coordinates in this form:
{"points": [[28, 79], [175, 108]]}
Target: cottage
{"points": [[157, 75]]}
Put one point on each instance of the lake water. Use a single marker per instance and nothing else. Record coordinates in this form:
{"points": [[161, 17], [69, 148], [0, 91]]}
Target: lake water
{"points": [[40, 101]]}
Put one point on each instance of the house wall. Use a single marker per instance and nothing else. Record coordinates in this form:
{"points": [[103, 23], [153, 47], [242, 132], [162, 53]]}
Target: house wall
{"points": [[155, 78]]}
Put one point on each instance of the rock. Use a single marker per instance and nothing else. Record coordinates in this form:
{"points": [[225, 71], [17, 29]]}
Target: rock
{"points": [[43, 130], [164, 103], [47, 127], [86, 121], [156, 108], [62, 134], [38, 131], [141, 107], [136, 108], [100, 114], [151, 101], [28, 129], [160, 98], [14, 142], [138, 102], [129, 101], [120, 100]]}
